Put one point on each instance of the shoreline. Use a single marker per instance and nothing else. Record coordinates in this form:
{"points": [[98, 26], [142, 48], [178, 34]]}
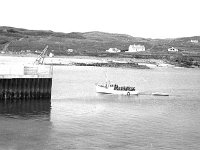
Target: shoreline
{"points": [[88, 61]]}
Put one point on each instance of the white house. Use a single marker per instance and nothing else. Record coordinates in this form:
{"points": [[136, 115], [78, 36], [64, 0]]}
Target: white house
{"points": [[70, 50], [51, 55], [113, 50], [136, 48], [172, 49], [194, 41]]}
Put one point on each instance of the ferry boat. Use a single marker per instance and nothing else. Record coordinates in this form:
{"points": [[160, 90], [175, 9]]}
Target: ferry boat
{"points": [[116, 89]]}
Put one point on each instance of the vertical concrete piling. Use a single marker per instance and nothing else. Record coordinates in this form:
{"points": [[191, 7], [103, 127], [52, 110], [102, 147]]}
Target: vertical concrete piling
{"points": [[25, 88], [34, 82]]}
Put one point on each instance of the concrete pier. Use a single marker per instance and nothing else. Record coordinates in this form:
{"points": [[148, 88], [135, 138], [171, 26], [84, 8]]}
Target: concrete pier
{"points": [[25, 82]]}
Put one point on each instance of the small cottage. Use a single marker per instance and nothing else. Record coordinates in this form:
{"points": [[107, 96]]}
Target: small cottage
{"points": [[194, 41], [172, 49], [113, 50], [70, 50], [51, 55], [136, 48]]}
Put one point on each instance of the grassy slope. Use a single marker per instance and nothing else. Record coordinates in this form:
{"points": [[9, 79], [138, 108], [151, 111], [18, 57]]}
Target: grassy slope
{"points": [[22, 39]]}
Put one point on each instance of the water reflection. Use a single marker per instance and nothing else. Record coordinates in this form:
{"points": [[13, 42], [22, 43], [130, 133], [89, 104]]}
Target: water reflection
{"points": [[25, 124], [26, 109]]}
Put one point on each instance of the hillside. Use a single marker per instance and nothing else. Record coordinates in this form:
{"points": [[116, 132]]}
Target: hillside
{"points": [[89, 42]]}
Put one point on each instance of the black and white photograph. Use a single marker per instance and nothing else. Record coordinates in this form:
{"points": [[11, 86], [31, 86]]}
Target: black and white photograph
{"points": [[99, 75]]}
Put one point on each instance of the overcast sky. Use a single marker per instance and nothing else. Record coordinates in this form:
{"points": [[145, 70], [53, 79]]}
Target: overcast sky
{"points": [[139, 18]]}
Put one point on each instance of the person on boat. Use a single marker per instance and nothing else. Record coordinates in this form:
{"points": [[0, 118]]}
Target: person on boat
{"points": [[106, 85], [115, 87], [128, 88]]}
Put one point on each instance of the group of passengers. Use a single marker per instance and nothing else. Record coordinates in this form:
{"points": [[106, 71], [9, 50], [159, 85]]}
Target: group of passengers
{"points": [[119, 88], [123, 88]]}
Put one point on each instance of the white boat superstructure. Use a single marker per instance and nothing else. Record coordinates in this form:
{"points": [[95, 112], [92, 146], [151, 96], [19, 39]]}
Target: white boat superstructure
{"points": [[115, 89]]}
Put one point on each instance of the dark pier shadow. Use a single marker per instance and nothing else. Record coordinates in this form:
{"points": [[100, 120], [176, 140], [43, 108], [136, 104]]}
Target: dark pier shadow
{"points": [[26, 109]]}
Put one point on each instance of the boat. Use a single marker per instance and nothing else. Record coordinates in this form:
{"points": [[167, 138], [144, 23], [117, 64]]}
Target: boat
{"points": [[115, 89], [160, 94]]}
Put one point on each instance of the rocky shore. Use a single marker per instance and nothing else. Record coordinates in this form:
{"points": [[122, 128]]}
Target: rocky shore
{"points": [[88, 61], [115, 65]]}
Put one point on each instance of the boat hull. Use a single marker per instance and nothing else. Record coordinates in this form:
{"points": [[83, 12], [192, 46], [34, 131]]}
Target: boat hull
{"points": [[110, 90]]}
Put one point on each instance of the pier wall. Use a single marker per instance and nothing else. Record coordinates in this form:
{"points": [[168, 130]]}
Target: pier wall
{"points": [[25, 88], [25, 82]]}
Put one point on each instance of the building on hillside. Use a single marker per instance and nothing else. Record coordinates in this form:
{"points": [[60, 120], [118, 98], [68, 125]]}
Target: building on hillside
{"points": [[38, 51], [136, 48], [172, 49], [113, 50], [70, 50], [51, 55], [194, 41]]}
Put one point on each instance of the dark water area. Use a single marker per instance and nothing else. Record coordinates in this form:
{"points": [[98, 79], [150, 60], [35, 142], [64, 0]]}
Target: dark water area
{"points": [[26, 109], [79, 118]]}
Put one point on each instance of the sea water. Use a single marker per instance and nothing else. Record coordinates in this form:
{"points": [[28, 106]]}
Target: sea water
{"points": [[79, 118]]}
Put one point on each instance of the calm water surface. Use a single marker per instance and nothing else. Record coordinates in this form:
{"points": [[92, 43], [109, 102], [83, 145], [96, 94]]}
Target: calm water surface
{"points": [[78, 118]]}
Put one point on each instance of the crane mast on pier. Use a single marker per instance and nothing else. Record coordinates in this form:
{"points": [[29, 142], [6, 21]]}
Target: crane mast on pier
{"points": [[40, 58]]}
